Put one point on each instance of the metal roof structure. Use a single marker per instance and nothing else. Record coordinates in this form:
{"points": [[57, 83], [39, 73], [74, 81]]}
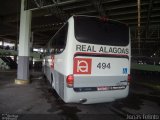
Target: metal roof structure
{"points": [[49, 15]]}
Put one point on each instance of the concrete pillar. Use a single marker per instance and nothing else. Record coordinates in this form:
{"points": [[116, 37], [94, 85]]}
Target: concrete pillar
{"points": [[24, 46]]}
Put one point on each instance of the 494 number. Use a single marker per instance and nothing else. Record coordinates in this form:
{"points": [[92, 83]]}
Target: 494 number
{"points": [[104, 65]]}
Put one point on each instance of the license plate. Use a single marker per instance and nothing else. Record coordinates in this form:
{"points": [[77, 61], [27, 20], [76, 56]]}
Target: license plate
{"points": [[102, 88]]}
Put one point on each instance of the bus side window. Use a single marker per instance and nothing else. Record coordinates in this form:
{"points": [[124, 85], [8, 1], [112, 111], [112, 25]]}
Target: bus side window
{"points": [[58, 42]]}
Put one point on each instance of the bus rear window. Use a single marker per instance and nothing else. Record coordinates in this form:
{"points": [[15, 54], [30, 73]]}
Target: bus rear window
{"points": [[98, 31]]}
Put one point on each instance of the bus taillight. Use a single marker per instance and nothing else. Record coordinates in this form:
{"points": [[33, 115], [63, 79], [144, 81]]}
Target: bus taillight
{"points": [[70, 80], [129, 78]]}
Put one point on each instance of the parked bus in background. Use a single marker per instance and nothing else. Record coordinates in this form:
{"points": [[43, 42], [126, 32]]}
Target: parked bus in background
{"points": [[88, 60]]}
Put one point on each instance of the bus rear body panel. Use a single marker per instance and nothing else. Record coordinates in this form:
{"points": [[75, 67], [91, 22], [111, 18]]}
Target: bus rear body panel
{"points": [[99, 78], [95, 97]]}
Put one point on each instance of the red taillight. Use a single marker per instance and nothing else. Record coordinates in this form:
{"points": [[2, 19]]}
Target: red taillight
{"points": [[70, 80], [129, 77]]}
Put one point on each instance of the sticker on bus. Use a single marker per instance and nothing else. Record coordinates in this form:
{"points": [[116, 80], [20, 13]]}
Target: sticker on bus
{"points": [[125, 70], [82, 65]]}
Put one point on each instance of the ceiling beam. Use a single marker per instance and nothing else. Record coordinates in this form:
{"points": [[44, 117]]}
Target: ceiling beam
{"points": [[98, 6], [38, 12], [86, 5], [38, 3], [156, 41], [52, 5]]}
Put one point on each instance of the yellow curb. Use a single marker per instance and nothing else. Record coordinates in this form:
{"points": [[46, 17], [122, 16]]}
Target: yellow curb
{"points": [[21, 82]]}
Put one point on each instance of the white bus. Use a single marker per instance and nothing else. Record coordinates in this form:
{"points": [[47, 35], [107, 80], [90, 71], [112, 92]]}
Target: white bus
{"points": [[88, 60]]}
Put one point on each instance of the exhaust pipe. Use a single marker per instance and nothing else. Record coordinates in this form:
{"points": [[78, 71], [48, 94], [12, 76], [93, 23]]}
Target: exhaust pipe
{"points": [[83, 100]]}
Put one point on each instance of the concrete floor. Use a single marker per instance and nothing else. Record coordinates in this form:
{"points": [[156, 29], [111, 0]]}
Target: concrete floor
{"points": [[39, 101]]}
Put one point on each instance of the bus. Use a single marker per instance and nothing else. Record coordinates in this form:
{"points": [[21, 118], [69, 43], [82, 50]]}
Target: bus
{"points": [[88, 60]]}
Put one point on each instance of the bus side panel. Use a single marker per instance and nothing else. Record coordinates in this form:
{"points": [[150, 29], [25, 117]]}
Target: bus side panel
{"points": [[63, 64], [60, 72], [59, 83], [57, 80]]}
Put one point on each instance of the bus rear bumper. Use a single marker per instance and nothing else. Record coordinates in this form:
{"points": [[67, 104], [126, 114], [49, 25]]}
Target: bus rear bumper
{"points": [[95, 97]]}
